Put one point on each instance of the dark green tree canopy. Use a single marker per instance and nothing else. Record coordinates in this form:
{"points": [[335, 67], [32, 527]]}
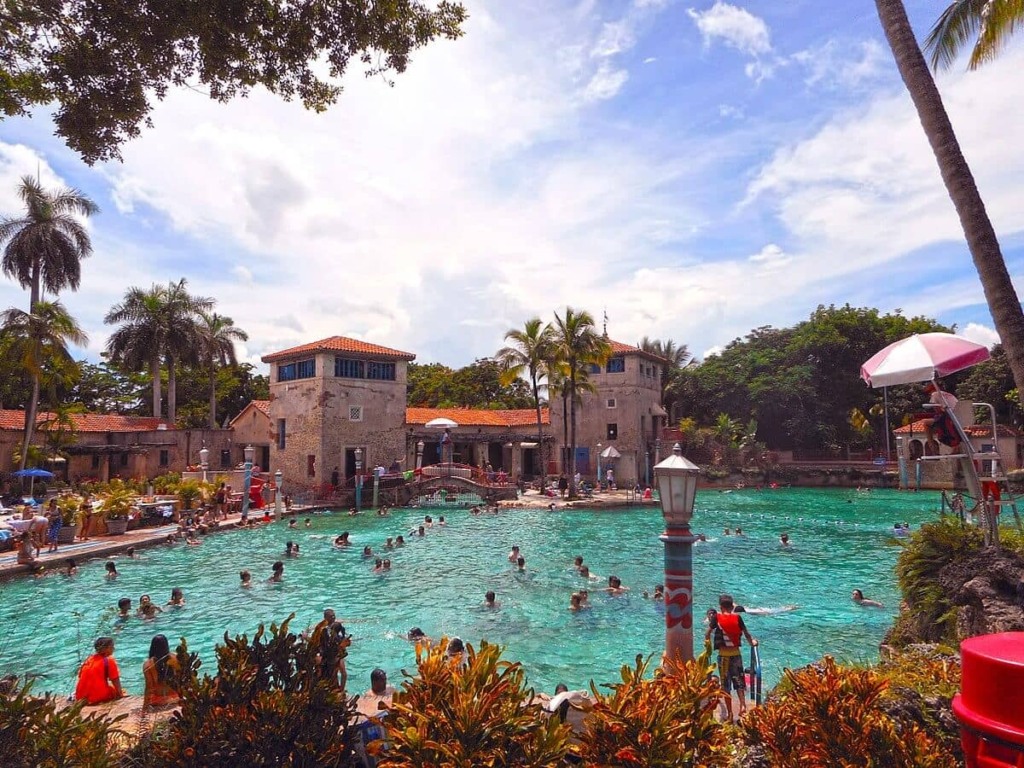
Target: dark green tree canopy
{"points": [[479, 385], [103, 63]]}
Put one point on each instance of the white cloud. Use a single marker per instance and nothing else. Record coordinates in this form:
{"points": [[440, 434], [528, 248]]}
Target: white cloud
{"points": [[730, 111], [770, 257], [650, 60], [734, 26], [243, 273], [615, 37], [605, 84], [980, 334], [837, 65]]}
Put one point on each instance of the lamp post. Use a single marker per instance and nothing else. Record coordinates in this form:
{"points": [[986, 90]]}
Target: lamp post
{"points": [[677, 486], [204, 460], [647, 467], [249, 452], [598, 465], [359, 477], [277, 494], [419, 454]]}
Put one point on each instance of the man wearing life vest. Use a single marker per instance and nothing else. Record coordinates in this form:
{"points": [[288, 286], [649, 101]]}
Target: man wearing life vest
{"points": [[728, 627]]}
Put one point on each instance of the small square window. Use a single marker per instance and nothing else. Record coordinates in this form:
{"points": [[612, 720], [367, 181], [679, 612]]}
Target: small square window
{"points": [[355, 413], [610, 402], [613, 431]]}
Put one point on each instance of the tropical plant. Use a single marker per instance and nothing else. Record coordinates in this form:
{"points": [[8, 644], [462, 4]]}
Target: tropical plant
{"points": [[118, 501], [58, 427], [44, 248], [42, 732], [577, 346], [70, 506], [268, 704], [158, 323], [825, 716], [167, 483], [675, 357], [667, 720], [925, 554], [529, 353], [188, 492], [476, 713], [217, 337], [1000, 18], [989, 23], [39, 340]]}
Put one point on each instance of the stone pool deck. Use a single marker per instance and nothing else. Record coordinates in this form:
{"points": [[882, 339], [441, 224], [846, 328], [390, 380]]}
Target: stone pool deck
{"points": [[105, 546]]}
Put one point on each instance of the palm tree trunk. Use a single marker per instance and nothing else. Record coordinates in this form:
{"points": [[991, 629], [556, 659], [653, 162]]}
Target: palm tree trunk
{"points": [[572, 439], [154, 371], [565, 428], [34, 293], [172, 391], [956, 175], [213, 397], [30, 420]]}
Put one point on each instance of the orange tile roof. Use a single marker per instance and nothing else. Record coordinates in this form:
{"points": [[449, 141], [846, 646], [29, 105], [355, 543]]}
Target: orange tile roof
{"points": [[618, 348], [340, 344], [975, 430], [87, 422], [478, 417], [263, 406]]}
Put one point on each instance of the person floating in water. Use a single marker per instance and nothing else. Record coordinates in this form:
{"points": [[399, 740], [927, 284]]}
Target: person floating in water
{"points": [[863, 602]]}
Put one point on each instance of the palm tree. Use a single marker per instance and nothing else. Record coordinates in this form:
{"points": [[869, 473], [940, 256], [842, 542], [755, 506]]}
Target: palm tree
{"points": [[139, 342], [578, 345], [182, 338], [956, 174], [39, 341], [677, 356], [528, 353], [217, 337], [45, 248], [158, 324], [988, 22]]}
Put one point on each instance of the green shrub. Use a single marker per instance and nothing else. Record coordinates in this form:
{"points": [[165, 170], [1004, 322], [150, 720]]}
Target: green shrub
{"points": [[35, 732], [833, 717], [667, 720], [925, 553], [167, 484], [475, 714], [268, 705]]}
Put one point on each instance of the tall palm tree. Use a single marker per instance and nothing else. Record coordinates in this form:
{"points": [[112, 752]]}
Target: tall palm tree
{"points": [[677, 357], [158, 324], [45, 247], [138, 344], [956, 174], [217, 337], [182, 340], [39, 340], [989, 23], [528, 353], [578, 345]]}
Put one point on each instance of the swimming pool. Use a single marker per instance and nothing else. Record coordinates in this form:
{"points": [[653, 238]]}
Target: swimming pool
{"points": [[841, 539]]}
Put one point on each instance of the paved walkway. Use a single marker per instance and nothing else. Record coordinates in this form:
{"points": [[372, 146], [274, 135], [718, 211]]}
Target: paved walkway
{"points": [[104, 546]]}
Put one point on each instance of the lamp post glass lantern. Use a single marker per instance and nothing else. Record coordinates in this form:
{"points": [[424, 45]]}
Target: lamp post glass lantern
{"points": [[677, 488], [204, 460], [359, 477], [248, 452], [419, 454]]}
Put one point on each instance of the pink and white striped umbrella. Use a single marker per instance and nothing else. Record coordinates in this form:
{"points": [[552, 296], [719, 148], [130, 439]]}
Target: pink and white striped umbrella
{"points": [[922, 357]]}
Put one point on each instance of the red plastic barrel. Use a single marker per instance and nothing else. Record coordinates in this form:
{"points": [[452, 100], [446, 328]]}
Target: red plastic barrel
{"points": [[990, 705]]}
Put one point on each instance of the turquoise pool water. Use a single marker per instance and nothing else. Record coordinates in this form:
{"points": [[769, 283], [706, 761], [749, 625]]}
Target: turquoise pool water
{"points": [[841, 539]]}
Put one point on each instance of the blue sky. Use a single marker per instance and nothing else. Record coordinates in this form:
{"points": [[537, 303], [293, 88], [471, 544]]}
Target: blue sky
{"points": [[694, 169]]}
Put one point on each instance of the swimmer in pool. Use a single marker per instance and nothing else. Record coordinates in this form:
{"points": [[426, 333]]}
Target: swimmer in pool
{"points": [[277, 573], [577, 563], [521, 564], [400, 541], [513, 555], [367, 551], [124, 608], [147, 609], [489, 600], [245, 579], [111, 570], [177, 597], [863, 602], [390, 543], [784, 540], [575, 603]]}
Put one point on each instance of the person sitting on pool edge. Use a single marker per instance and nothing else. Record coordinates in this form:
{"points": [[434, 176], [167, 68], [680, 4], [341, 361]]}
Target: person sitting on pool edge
{"points": [[159, 671], [99, 679]]}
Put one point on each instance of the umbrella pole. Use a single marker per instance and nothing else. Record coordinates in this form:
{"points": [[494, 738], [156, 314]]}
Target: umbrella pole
{"points": [[885, 397]]}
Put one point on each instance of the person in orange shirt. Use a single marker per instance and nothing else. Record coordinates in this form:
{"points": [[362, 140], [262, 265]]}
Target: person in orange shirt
{"points": [[99, 679]]}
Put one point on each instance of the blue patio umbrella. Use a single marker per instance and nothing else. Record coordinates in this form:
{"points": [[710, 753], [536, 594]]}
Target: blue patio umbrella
{"points": [[33, 473]]}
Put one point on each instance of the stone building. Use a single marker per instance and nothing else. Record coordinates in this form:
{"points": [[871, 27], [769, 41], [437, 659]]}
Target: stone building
{"points": [[624, 416], [102, 446], [253, 427], [332, 402]]}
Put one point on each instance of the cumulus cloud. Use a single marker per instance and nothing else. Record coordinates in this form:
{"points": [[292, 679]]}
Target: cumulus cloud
{"points": [[838, 65], [605, 84], [735, 27], [980, 334]]}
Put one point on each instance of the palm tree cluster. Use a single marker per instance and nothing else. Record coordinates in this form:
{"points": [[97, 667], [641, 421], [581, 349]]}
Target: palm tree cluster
{"points": [[166, 326], [43, 251], [557, 357]]}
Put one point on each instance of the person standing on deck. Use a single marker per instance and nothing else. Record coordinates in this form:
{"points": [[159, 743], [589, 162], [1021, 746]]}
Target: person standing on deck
{"points": [[729, 629]]}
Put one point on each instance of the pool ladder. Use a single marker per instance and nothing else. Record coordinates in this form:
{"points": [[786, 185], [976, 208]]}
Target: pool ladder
{"points": [[755, 675]]}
